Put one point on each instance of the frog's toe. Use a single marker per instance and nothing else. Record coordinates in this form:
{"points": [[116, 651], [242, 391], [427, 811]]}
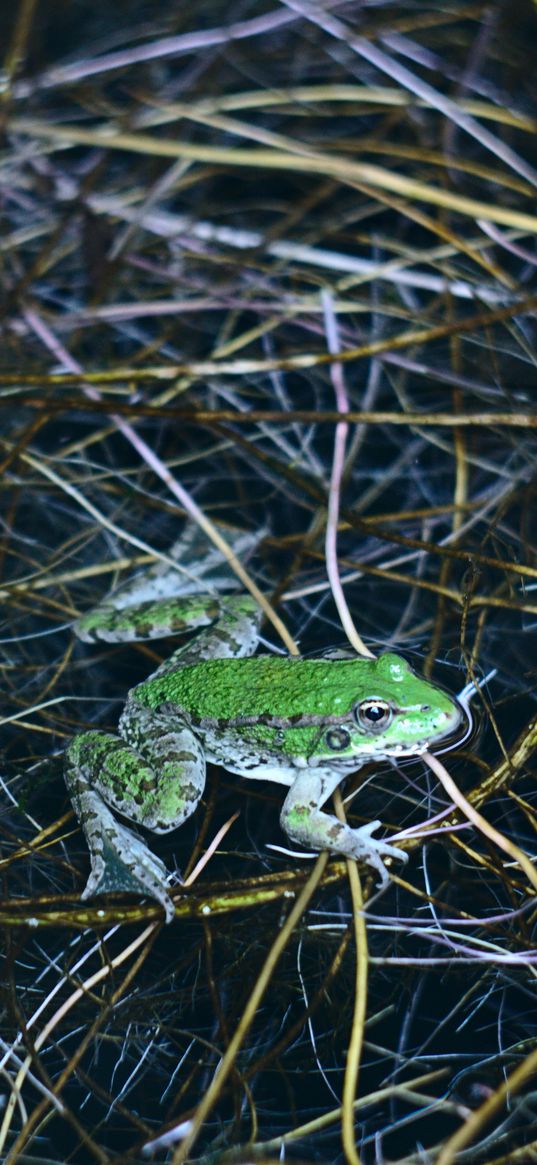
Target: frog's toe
{"points": [[373, 850], [366, 831]]}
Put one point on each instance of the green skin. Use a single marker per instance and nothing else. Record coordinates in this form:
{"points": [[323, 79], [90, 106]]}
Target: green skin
{"points": [[305, 723]]}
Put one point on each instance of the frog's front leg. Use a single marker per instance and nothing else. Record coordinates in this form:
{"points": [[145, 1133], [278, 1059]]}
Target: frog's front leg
{"points": [[303, 820], [153, 774]]}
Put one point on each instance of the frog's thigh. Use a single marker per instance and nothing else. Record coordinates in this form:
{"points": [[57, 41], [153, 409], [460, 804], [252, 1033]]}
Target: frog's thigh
{"points": [[159, 775], [234, 634], [154, 774]]}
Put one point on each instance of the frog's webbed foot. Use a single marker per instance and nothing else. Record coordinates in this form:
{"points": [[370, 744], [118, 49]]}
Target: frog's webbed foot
{"points": [[209, 570], [120, 859]]}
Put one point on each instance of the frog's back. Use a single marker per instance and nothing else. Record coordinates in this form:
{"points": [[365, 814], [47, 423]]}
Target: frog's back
{"points": [[263, 686]]}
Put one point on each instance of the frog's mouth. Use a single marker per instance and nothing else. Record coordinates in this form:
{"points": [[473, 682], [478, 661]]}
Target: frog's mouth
{"points": [[463, 727]]}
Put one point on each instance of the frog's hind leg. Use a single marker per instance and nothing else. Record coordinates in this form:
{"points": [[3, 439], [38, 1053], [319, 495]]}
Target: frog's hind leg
{"points": [[180, 593], [234, 634], [228, 626], [154, 774]]}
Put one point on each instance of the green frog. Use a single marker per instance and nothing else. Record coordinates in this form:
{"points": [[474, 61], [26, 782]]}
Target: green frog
{"points": [[305, 723]]}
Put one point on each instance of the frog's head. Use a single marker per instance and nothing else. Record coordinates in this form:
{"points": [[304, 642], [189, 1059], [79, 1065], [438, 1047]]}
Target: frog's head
{"points": [[396, 713]]}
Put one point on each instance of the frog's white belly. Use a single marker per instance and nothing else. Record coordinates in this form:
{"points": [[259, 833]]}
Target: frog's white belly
{"points": [[251, 765], [244, 759]]}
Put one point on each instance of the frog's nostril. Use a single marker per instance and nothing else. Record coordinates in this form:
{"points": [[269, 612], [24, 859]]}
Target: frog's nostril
{"points": [[425, 707]]}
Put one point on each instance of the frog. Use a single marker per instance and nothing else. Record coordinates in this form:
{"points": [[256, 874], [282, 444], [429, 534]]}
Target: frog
{"points": [[306, 723]]}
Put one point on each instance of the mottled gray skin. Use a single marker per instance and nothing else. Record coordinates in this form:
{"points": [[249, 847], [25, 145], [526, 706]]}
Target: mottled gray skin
{"points": [[303, 723]]}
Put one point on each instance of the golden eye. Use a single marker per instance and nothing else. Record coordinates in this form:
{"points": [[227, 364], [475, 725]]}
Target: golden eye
{"points": [[373, 715], [337, 739]]}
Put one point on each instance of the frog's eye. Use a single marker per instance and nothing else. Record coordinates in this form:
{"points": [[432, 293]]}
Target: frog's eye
{"points": [[373, 715], [337, 739]]}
